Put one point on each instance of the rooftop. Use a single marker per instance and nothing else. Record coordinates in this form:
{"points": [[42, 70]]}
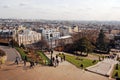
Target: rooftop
{"points": [[64, 37]]}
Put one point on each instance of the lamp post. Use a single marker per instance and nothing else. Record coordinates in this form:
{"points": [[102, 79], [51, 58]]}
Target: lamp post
{"points": [[51, 51]]}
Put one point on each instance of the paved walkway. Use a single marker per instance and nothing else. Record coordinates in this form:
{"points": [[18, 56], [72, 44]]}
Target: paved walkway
{"points": [[65, 71], [10, 52], [104, 67], [84, 72]]}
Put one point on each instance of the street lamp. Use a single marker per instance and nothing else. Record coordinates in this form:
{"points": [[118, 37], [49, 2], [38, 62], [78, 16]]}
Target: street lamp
{"points": [[51, 51]]}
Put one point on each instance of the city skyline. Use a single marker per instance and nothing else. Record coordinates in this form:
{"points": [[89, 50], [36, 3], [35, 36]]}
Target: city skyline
{"points": [[61, 9]]}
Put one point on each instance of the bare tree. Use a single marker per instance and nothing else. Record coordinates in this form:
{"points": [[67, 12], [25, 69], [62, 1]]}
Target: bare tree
{"points": [[42, 43]]}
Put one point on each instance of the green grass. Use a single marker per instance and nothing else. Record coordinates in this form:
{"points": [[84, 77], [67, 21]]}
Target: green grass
{"points": [[44, 57], [114, 72], [77, 62], [21, 51]]}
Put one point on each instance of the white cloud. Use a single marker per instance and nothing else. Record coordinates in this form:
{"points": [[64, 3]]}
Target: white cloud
{"points": [[61, 9]]}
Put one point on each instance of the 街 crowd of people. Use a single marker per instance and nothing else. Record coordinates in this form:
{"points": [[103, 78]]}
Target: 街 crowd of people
{"points": [[56, 60]]}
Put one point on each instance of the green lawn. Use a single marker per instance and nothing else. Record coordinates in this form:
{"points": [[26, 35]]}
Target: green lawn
{"points": [[114, 72], [21, 51], [77, 62], [44, 57]]}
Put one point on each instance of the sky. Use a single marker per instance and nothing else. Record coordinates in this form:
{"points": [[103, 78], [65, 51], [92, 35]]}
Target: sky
{"points": [[61, 9]]}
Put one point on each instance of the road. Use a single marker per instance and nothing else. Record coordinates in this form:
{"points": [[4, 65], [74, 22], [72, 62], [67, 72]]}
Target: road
{"points": [[10, 52]]}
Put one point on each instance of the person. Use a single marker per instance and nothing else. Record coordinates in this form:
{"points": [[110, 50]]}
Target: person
{"points": [[93, 61], [61, 59], [36, 62], [53, 59], [64, 57], [56, 56], [81, 66], [16, 61], [57, 61], [26, 58], [54, 64], [24, 62], [52, 51], [30, 64], [33, 63]]}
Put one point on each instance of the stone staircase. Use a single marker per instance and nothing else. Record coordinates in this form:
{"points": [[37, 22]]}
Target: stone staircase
{"points": [[104, 67]]}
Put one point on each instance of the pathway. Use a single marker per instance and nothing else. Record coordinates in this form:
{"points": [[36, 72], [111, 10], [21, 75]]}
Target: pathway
{"points": [[65, 71], [10, 52], [104, 67]]}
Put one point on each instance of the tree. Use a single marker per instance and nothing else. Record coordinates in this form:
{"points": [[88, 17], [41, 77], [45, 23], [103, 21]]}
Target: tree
{"points": [[22, 46], [112, 44], [42, 43], [13, 43], [69, 48], [100, 42], [83, 45]]}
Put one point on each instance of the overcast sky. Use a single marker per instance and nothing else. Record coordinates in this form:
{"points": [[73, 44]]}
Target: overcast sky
{"points": [[61, 9]]}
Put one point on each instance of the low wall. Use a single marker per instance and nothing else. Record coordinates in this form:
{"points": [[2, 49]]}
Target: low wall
{"points": [[3, 57]]}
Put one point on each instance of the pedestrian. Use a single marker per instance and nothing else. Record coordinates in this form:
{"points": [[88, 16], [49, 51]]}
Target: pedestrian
{"points": [[30, 63], [64, 57], [24, 62], [81, 66], [61, 59], [56, 56], [16, 60], [36, 62], [57, 61], [26, 58], [51, 51], [33, 63], [53, 59]]}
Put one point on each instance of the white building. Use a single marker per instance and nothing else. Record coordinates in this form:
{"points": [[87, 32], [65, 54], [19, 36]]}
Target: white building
{"points": [[64, 30], [7, 33], [50, 33], [64, 40], [67, 30], [28, 37]]}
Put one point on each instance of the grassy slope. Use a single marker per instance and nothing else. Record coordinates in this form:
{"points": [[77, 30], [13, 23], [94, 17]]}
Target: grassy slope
{"points": [[44, 57], [114, 72], [21, 51], [77, 63]]}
